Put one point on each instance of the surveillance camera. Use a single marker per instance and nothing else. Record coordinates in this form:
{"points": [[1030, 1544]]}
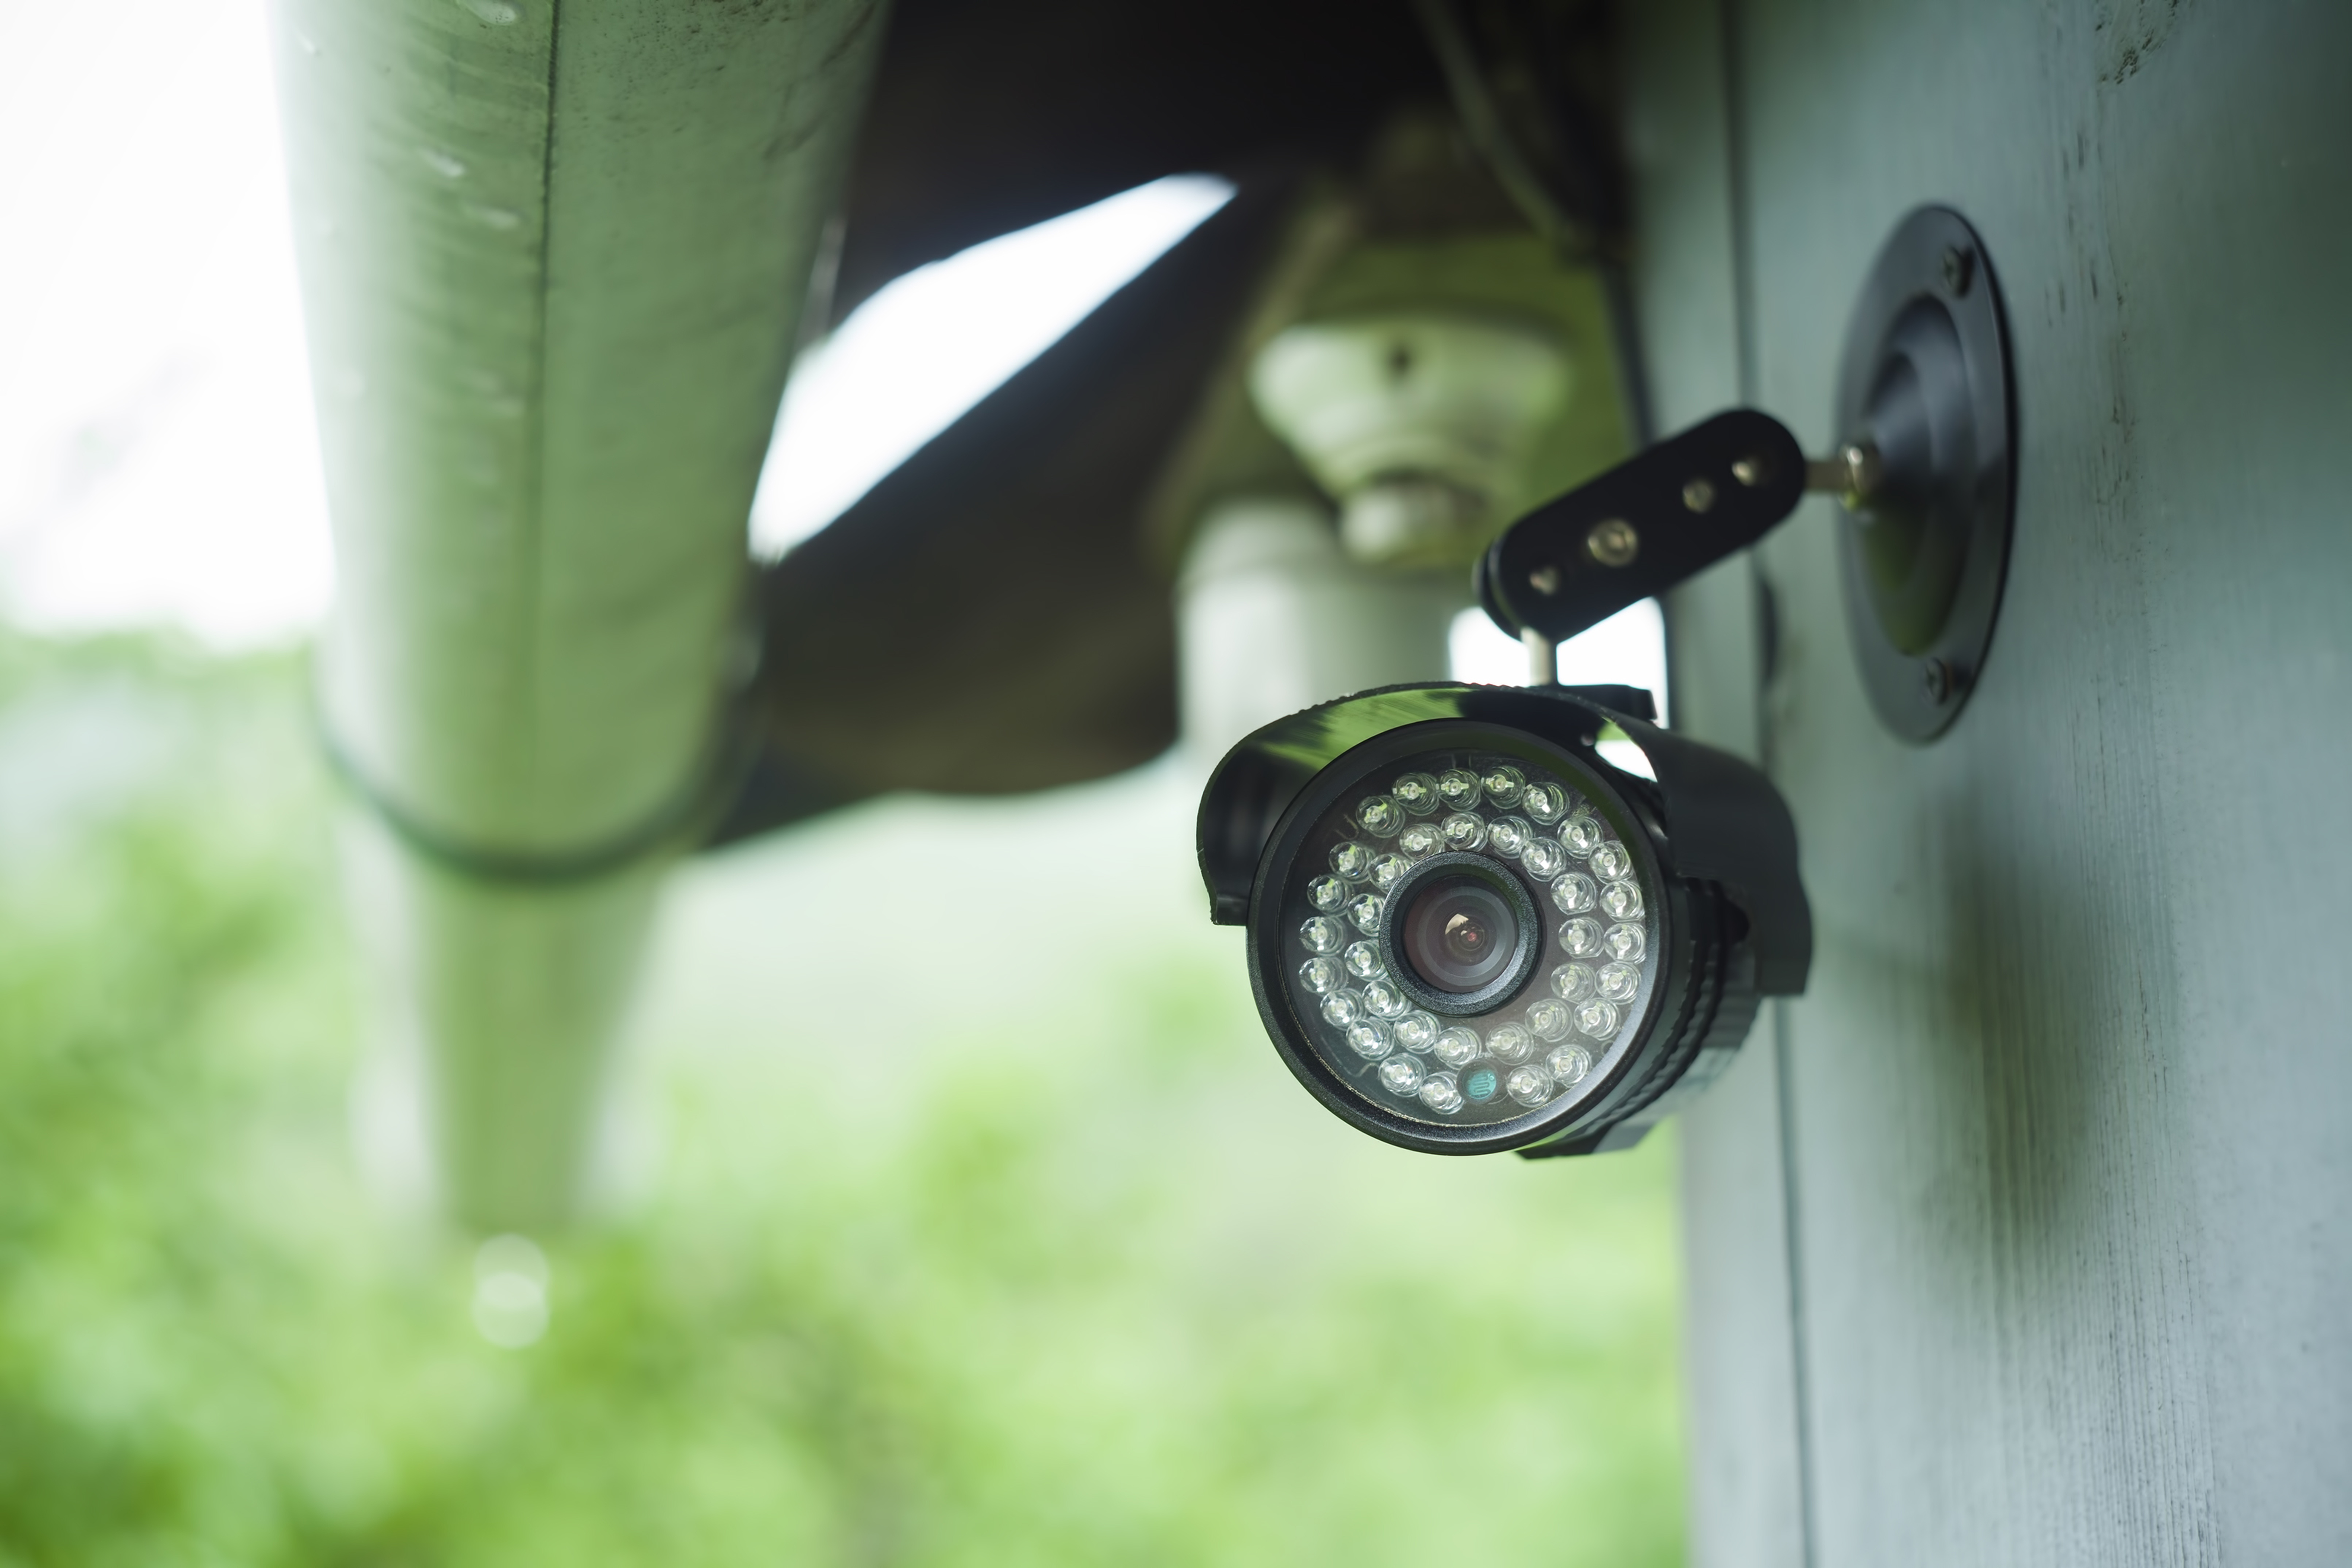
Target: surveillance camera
{"points": [[1469, 931]]}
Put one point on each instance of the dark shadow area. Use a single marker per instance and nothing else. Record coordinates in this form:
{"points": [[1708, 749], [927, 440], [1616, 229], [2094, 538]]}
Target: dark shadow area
{"points": [[985, 620]]}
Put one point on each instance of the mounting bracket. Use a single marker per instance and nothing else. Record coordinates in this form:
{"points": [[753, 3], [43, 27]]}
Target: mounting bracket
{"points": [[1922, 467]]}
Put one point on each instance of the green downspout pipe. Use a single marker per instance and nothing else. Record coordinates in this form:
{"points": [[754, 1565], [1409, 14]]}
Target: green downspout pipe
{"points": [[553, 254]]}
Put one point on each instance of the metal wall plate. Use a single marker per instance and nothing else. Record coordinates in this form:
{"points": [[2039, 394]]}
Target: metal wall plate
{"points": [[1925, 381]]}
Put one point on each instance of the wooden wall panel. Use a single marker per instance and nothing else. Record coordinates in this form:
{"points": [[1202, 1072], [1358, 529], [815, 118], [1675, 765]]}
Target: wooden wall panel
{"points": [[1739, 1372], [2065, 1102]]}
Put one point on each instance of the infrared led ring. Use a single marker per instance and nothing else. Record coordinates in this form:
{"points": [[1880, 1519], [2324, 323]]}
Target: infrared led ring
{"points": [[1504, 913]]}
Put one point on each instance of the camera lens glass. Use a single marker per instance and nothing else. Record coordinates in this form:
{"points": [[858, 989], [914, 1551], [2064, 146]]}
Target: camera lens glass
{"points": [[1550, 836], [1458, 934]]}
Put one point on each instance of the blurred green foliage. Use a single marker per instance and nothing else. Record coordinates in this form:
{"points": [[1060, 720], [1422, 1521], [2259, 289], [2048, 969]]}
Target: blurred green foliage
{"points": [[1026, 1252]]}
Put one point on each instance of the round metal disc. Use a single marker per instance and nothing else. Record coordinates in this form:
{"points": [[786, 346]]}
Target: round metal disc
{"points": [[1924, 383]]}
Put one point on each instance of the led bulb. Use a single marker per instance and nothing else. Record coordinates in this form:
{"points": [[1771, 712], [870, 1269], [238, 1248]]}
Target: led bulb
{"points": [[1510, 835], [1421, 840], [1458, 1046], [1368, 1037], [1580, 938], [1622, 941], [1504, 785], [1382, 999], [1387, 870], [1569, 1064], [1583, 834], [1544, 802], [1528, 1086], [1441, 1094], [1364, 910], [1351, 860], [1319, 975], [1321, 934], [1417, 793], [1612, 862], [1342, 1008], [1457, 789], [1548, 1019], [1327, 893], [1400, 1075], [1462, 831], [1619, 982], [1510, 1043], [1416, 1031], [1574, 981], [1622, 900], [1597, 1018], [1364, 960], [1544, 858], [1380, 816], [1573, 893]]}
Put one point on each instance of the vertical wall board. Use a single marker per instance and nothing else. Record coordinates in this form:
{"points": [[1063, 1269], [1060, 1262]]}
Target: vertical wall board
{"points": [[1687, 304], [2234, 416], [1745, 1489], [2067, 1091]]}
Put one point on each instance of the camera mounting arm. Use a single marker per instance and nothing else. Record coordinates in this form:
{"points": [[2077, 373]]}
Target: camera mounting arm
{"points": [[1653, 522]]}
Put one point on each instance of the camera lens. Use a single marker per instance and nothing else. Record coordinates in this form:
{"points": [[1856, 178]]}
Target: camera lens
{"points": [[1459, 934]]}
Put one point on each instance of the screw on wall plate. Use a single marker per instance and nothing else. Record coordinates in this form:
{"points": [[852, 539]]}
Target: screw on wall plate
{"points": [[1752, 470], [1936, 676], [1959, 269], [1613, 543], [1698, 495], [1545, 579]]}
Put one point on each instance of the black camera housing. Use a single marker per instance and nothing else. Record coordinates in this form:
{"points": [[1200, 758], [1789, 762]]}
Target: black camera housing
{"points": [[1709, 833]]}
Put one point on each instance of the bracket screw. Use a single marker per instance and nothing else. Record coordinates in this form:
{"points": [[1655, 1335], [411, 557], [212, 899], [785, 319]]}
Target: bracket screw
{"points": [[1959, 269], [1936, 678], [1545, 579], [1852, 476], [1613, 543], [1698, 495]]}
